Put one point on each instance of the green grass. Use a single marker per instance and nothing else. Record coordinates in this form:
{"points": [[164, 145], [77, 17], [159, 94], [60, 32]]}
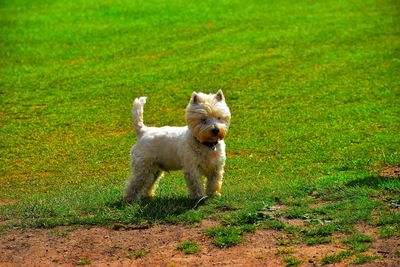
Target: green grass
{"points": [[62, 232], [318, 240], [189, 247], [337, 257], [389, 231], [312, 86], [358, 242], [317, 231], [290, 261], [225, 237], [273, 224], [229, 236], [83, 261], [136, 254], [360, 238], [361, 259], [284, 251]]}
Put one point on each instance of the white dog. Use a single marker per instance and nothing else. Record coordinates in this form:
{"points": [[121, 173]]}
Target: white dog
{"points": [[198, 149]]}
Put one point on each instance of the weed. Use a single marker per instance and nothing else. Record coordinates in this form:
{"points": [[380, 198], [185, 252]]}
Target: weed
{"points": [[62, 232], [83, 261], [189, 217], [250, 215], [318, 240], [297, 212], [248, 228], [291, 229], [136, 254], [391, 218], [228, 236], [273, 224], [333, 258], [357, 242], [58, 232], [359, 247], [284, 242], [189, 247], [290, 261], [360, 238], [389, 231], [320, 231], [362, 258]]}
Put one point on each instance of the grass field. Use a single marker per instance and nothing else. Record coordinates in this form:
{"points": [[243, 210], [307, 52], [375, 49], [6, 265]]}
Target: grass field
{"points": [[313, 88]]}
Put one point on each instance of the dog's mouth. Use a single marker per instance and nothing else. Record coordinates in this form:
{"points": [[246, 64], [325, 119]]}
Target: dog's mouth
{"points": [[211, 145], [210, 142], [213, 139]]}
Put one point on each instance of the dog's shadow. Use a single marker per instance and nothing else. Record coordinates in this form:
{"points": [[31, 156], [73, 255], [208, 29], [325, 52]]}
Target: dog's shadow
{"points": [[159, 208]]}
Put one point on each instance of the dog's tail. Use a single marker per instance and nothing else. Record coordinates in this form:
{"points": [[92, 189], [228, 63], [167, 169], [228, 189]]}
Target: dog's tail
{"points": [[137, 112]]}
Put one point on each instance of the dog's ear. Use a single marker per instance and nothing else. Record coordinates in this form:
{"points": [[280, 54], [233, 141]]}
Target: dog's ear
{"points": [[194, 99], [220, 96]]}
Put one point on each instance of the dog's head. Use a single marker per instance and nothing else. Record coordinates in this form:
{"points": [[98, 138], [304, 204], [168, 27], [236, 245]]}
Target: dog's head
{"points": [[208, 116]]}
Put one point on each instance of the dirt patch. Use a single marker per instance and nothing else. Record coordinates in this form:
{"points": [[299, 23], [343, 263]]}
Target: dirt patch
{"points": [[391, 172], [7, 201], [103, 246], [157, 246]]}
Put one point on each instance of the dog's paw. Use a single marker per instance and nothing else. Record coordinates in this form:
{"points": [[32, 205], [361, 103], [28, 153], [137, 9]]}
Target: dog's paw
{"points": [[215, 194]]}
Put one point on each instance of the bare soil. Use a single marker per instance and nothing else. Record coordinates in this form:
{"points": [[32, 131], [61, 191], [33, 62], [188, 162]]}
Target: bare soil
{"points": [[99, 246], [391, 172]]}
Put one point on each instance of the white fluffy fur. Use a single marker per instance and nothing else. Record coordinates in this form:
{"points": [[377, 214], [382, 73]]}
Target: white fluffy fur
{"points": [[179, 148]]}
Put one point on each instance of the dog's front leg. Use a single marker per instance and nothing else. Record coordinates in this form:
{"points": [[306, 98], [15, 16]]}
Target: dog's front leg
{"points": [[214, 183], [194, 184]]}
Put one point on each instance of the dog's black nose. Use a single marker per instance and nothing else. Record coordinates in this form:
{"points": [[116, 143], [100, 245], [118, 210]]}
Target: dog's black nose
{"points": [[215, 131]]}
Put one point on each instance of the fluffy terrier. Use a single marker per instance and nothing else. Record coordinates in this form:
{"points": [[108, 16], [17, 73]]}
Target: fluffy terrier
{"points": [[197, 149]]}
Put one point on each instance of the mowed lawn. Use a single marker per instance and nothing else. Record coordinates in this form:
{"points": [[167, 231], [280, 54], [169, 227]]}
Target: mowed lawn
{"points": [[313, 88]]}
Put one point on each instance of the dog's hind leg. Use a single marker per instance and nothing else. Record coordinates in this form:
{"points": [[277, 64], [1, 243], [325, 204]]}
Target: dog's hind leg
{"points": [[194, 184], [142, 181], [133, 188], [151, 183]]}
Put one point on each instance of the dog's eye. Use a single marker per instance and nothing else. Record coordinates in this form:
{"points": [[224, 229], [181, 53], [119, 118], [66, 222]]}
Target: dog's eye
{"points": [[203, 120], [219, 118]]}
